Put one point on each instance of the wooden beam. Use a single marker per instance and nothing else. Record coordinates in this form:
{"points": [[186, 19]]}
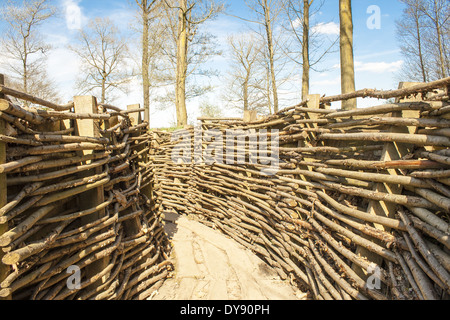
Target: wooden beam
{"points": [[94, 197], [133, 226], [392, 151], [4, 269], [313, 102], [135, 117], [250, 115]]}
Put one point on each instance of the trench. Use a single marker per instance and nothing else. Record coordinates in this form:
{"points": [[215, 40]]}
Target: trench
{"points": [[309, 203]]}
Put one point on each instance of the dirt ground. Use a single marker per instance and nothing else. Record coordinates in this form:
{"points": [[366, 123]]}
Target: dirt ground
{"points": [[211, 266]]}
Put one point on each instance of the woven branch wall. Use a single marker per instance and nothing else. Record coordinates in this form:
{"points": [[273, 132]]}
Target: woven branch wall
{"points": [[358, 207], [78, 215]]}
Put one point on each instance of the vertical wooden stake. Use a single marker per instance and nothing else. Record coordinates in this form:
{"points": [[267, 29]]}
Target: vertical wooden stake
{"points": [[313, 103], [392, 151], [94, 197], [4, 269], [133, 226], [250, 115], [135, 118]]}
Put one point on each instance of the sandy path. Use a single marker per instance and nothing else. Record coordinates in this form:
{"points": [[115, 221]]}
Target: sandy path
{"points": [[210, 266]]}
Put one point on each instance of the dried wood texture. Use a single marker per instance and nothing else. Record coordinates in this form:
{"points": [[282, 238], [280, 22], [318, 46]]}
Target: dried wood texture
{"points": [[308, 219], [3, 194], [53, 227]]}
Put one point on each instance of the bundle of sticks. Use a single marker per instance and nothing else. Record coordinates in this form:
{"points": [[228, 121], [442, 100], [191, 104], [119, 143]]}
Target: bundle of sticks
{"points": [[81, 220], [357, 207]]}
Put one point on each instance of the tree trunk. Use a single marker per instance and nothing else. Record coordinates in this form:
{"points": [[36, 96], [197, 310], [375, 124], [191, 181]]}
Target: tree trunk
{"points": [[245, 93], [439, 39], [268, 26], [269, 101], [145, 62], [103, 98], [346, 49], [180, 90], [305, 50], [25, 67], [419, 47]]}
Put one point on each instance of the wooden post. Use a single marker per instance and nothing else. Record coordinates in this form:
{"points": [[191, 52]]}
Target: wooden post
{"points": [[4, 269], [391, 151], [94, 197], [313, 103], [133, 226], [135, 117], [250, 115]]}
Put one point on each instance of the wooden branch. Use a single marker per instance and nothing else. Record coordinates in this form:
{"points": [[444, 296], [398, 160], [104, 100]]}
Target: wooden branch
{"points": [[8, 107], [68, 147], [14, 140], [25, 225], [56, 174], [425, 251], [63, 138], [69, 115], [32, 99], [421, 140], [22, 194], [21, 254], [415, 89]]}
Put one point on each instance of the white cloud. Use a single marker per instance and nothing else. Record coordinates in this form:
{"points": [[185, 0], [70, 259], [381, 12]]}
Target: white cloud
{"points": [[297, 23], [63, 68], [74, 15], [378, 67], [329, 28]]}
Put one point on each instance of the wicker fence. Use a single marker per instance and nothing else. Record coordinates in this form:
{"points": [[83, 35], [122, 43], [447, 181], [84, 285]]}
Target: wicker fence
{"points": [[346, 204], [78, 215], [357, 205]]}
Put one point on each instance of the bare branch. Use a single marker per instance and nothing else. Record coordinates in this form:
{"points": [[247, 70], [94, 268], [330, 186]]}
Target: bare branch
{"points": [[102, 52]]}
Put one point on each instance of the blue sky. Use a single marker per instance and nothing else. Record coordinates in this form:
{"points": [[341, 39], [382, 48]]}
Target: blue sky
{"points": [[377, 55]]}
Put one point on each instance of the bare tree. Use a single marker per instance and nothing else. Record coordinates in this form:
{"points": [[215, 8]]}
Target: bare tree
{"points": [[410, 33], [346, 48], [190, 15], [438, 14], [24, 48], [423, 32], [314, 47], [210, 110], [267, 12], [245, 74], [102, 51], [146, 8]]}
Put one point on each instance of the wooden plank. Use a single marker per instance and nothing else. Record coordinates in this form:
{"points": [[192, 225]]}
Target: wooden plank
{"points": [[94, 197], [392, 151], [250, 115], [313, 102], [133, 226], [4, 269], [135, 117]]}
